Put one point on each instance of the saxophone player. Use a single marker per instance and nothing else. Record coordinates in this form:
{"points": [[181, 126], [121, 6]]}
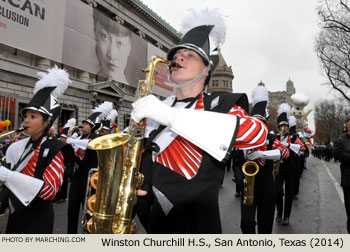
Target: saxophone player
{"points": [[263, 206], [285, 180], [85, 159], [184, 173]]}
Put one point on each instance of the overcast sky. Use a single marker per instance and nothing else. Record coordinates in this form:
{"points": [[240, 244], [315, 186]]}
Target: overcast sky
{"points": [[267, 40]]}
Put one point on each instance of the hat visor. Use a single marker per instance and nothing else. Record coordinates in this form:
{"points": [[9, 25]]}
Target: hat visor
{"points": [[192, 47], [283, 123], [41, 110], [89, 122]]}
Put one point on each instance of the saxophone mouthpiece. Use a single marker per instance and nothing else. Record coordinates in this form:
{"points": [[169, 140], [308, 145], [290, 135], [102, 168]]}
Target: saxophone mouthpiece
{"points": [[173, 66], [22, 129]]}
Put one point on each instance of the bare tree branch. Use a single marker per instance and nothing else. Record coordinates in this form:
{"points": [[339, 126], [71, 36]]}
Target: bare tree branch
{"points": [[333, 44]]}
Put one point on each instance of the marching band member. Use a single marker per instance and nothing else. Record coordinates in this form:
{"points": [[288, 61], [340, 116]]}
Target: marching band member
{"points": [[36, 163], [107, 122], [292, 131], [264, 189], [184, 174], [85, 159], [286, 175], [68, 154]]}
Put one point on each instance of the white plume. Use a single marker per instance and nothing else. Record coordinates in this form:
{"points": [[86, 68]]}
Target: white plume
{"points": [[259, 94], [292, 121], [112, 115], [206, 17], [54, 77], [70, 123], [284, 107], [104, 108]]}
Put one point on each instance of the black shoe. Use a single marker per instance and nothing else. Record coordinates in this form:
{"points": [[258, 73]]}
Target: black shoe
{"points": [[279, 219], [285, 221], [237, 194]]}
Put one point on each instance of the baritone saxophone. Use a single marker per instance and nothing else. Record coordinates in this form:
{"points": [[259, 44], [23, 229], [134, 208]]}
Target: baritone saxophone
{"points": [[117, 177]]}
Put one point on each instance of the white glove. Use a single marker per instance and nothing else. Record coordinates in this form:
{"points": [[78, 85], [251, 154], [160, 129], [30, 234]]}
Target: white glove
{"points": [[252, 155], [151, 107], [75, 135], [5, 174], [79, 143]]}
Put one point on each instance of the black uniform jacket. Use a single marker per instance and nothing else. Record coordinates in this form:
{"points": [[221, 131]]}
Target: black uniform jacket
{"points": [[342, 153]]}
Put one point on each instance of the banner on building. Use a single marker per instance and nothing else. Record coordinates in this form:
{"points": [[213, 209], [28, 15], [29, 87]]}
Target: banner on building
{"points": [[34, 26], [75, 34]]}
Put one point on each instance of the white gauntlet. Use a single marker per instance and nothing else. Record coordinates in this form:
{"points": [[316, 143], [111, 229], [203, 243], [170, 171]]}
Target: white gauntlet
{"points": [[267, 155], [5, 174], [78, 143], [151, 107]]}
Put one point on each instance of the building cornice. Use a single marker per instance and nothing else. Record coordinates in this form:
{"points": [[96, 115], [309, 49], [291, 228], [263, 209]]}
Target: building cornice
{"points": [[148, 13], [142, 20]]}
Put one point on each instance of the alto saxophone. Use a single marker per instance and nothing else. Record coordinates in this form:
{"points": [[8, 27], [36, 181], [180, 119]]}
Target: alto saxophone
{"points": [[118, 176], [277, 163]]}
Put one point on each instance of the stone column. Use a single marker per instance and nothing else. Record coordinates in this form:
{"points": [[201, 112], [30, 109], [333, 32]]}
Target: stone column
{"points": [[84, 76], [43, 63]]}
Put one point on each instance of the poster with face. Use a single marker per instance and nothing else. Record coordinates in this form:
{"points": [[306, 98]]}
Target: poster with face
{"points": [[121, 54], [111, 50]]}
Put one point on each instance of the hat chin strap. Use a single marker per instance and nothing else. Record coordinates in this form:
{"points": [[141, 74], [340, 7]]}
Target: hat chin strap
{"points": [[189, 83]]}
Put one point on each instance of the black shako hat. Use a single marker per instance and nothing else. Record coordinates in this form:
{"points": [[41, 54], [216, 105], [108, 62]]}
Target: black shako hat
{"points": [[282, 119], [47, 89], [259, 102], [197, 39], [283, 114], [259, 110], [65, 132], [98, 113], [292, 124], [94, 120], [44, 103], [106, 124]]}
